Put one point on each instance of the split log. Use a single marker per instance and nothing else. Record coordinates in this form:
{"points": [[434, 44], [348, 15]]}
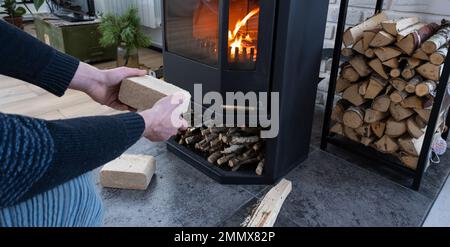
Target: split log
{"points": [[349, 73], [395, 73], [364, 131], [368, 36], [354, 117], [239, 140], [360, 65], [352, 35], [378, 129], [386, 145], [260, 168], [398, 96], [373, 116], [225, 159], [398, 83], [347, 52], [409, 161], [233, 149], [193, 139], [367, 141], [376, 85], [352, 95], [414, 28], [370, 53], [408, 73], [438, 57], [420, 122], [400, 113], [378, 67], [214, 157], [430, 71], [411, 146], [427, 102], [363, 87], [392, 63], [395, 128], [351, 134], [414, 39], [338, 113], [413, 128], [382, 39], [338, 128], [439, 39], [386, 53], [424, 114], [266, 213], [412, 62], [393, 27], [359, 47], [412, 84], [342, 84], [420, 54], [412, 102], [381, 103], [426, 88]]}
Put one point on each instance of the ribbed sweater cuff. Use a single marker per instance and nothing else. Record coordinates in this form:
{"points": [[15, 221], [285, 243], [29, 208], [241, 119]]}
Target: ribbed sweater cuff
{"points": [[58, 74], [134, 126]]}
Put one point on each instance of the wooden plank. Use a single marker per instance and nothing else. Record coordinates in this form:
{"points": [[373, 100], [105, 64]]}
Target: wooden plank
{"points": [[267, 211]]}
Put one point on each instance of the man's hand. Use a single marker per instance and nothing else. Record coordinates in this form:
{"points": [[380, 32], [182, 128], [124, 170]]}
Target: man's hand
{"points": [[103, 85], [161, 123]]}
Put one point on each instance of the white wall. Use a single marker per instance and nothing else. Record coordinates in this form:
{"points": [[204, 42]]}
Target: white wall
{"points": [[359, 10]]}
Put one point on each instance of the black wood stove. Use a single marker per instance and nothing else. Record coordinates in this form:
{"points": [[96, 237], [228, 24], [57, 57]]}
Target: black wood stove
{"points": [[249, 46]]}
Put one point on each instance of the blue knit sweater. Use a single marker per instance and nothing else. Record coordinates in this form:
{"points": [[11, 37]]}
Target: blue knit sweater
{"points": [[45, 165]]}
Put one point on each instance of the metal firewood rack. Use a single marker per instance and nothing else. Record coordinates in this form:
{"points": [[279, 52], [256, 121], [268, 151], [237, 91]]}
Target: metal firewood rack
{"points": [[368, 152]]}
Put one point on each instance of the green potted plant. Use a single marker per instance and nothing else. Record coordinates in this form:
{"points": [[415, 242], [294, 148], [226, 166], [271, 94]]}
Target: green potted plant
{"points": [[125, 33], [15, 13]]}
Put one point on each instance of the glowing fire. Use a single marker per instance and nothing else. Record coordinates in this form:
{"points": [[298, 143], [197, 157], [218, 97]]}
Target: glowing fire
{"points": [[238, 40]]}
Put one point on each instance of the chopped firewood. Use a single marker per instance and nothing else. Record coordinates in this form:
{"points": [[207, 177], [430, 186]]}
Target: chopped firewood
{"points": [[409, 161], [367, 141], [430, 71], [244, 140], [439, 39], [370, 53], [395, 73], [400, 113], [411, 146], [405, 32], [363, 87], [378, 128], [368, 36], [351, 134], [364, 130], [378, 67], [354, 117], [360, 65], [376, 85], [266, 213], [260, 168], [342, 84], [411, 62], [393, 27], [398, 96], [386, 145], [413, 102], [347, 52], [233, 149], [420, 54], [214, 157], [193, 139], [408, 73], [427, 102], [420, 122], [338, 128], [354, 34], [412, 84], [236, 163], [394, 128], [382, 39], [392, 63], [381, 103], [413, 40], [426, 88], [398, 83], [359, 47], [413, 128], [225, 159], [386, 53], [257, 146], [349, 73], [438, 57], [338, 113], [373, 116], [352, 95], [424, 114]]}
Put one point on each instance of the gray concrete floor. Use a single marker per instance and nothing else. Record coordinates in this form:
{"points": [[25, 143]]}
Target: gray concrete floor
{"points": [[439, 215]]}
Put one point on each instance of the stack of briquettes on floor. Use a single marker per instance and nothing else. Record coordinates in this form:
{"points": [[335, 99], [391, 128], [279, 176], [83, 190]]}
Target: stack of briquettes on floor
{"points": [[388, 84]]}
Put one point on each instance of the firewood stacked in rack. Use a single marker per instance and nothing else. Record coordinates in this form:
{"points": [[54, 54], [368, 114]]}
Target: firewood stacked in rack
{"points": [[388, 84], [234, 148]]}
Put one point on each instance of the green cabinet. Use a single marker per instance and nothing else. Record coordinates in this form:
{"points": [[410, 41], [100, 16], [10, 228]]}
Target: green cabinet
{"points": [[79, 39]]}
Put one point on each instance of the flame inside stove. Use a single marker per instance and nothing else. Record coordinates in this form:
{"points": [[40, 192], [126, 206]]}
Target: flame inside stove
{"points": [[239, 39]]}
